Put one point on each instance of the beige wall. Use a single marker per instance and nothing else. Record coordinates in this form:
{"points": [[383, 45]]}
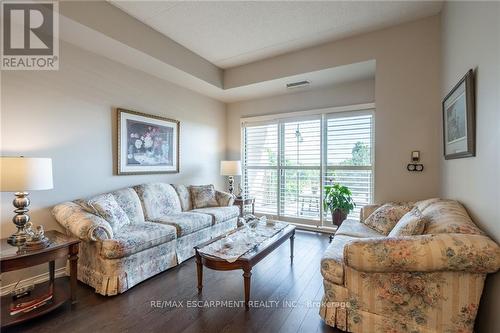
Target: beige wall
{"points": [[345, 94], [407, 86], [68, 115], [471, 39]]}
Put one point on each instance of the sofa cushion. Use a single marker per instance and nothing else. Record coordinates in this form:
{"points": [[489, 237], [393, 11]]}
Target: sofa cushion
{"points": [[187, 222], [220, 214], [105, 206], [224, 198], [411, 224], [184, 196], [136, 237], [354, 228], [332, 262], [447, 216], [158, 200], [384, 218], [128, 199], [203, 196]]}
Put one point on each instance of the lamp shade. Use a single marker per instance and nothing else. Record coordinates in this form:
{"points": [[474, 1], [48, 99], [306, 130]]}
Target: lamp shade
{"points": [[230, 168], [20, 174]]}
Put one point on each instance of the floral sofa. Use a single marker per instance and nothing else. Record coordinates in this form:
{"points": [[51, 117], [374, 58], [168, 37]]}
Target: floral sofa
{"points": [[134, 233], [426, 283]]}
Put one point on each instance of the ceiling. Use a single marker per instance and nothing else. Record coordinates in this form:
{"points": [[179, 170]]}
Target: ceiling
{"points": [[318, 79], [230, 34]]}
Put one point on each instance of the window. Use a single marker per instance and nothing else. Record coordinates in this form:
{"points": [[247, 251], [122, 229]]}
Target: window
{"points": [[288, 161], [260, 160], [349, 156], [300, 169]]}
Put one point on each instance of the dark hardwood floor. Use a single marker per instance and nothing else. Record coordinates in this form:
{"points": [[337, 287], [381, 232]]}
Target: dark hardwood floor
{"points": [[282, 294]]}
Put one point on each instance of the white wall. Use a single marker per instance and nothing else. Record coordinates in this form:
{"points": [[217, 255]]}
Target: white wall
{"points": [[471, 39], [68, 115], [407, 98]]}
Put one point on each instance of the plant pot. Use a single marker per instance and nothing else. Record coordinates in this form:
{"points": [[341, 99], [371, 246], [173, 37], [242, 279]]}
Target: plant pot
{"points": [[338, 216]]}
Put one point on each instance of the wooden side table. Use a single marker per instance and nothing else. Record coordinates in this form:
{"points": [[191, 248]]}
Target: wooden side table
{"points": [[242, 202], [63, 288]]}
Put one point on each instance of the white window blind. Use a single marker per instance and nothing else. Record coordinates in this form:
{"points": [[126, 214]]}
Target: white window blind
{"points": [[287, 163], [300, 167], [349, 141], [260, 160]]}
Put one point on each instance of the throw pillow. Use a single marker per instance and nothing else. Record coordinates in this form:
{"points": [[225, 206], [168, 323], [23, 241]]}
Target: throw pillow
{"points": [[203, 196], [184, 196], [412, 223], [105, 206], [384, 218]]}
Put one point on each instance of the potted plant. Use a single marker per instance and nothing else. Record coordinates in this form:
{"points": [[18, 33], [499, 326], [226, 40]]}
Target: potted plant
{"points": [[339, 201]]}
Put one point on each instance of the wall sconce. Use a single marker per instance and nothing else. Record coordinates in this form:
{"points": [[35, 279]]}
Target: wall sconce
{"points": [[415, 166]]}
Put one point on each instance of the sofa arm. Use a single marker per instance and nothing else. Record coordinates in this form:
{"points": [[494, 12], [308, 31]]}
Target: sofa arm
{"points": [[367, 211], [224, 198], [424, 253], [82, 224]]}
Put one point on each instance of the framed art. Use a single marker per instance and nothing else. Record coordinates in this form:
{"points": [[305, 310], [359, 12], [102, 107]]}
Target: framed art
{"points": [[459, 114], [147, 144]]}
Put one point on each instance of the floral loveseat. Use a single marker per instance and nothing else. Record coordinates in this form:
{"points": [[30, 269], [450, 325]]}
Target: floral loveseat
{"points": [[425, 283], [134, 233]]}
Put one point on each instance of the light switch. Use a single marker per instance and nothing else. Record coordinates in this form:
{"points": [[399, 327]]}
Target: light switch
{"points": [[415, 156]]}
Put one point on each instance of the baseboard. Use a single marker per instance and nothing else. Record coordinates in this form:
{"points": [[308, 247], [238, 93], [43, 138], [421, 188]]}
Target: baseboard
{"points": [[4, 290]]}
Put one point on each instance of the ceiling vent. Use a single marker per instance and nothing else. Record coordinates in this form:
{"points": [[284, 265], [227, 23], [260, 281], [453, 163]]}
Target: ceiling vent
{"points": [[298, 84]]}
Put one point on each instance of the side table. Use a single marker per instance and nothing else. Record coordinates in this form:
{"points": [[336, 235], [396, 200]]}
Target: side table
{"points": [[242, 202], [63, 288]]}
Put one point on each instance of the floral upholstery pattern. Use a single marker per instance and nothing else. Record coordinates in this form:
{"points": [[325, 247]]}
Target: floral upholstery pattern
{"points": [[332, 261], [203, 196], [115, 276], [80, 223], [184, 196], [416, 302], [354, 228], [158, 200], [421, 283], [187, 222], [129, 201], [224, 198], [448, 216], [412, 223], [106, 207], [384, 218], [136, 237], [113, 261], [366, 211], [220, 214], [424, 253]]}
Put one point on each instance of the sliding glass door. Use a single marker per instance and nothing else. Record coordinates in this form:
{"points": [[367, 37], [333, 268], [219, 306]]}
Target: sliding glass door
{"points": [[287, 163]]}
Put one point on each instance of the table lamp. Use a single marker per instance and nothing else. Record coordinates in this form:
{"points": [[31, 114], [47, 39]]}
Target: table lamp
{"points": [[230, 168], [19, 175]]}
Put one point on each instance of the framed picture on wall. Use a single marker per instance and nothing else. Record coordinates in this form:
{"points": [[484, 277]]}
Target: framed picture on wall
{"points": [[459, 119], [147, 144]]}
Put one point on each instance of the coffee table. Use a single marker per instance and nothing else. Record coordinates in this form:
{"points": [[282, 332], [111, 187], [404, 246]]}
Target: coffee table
{"points": [[245, 261]]}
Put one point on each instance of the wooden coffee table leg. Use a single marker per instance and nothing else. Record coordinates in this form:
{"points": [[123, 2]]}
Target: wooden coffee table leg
{"points": [[247, 273], [292, 238], [73, 270], [199, 268]]}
